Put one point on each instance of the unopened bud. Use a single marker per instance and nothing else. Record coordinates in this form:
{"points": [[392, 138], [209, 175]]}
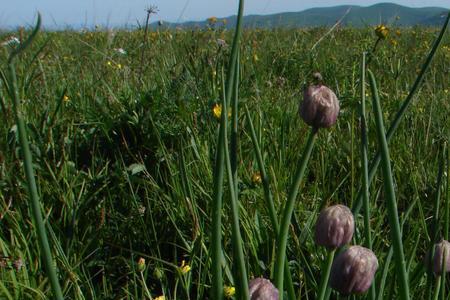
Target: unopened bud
{"points": [[141, 264], [262, 289], [320, 106], [353, 270], [334, 227], [441, 258]]}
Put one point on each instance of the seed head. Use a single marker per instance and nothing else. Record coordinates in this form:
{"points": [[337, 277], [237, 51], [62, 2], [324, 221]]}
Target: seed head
{"points": [[334, 227], [320, 106], [262, 289], [441, 250], [353, 270]]}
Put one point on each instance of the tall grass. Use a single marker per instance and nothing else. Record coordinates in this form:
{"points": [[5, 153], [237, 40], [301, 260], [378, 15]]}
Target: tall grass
{"points": [[125, 160]]}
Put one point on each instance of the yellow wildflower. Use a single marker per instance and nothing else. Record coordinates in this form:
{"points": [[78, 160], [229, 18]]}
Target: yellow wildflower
{"points": [[160, 298], [66, 98], [217, 111], [119, 66], [212, 20], [109, 63], [256, 178], [229, 291], [381, 31], [184, 268]]}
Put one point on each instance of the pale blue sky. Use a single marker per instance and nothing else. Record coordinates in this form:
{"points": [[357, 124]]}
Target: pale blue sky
{"points": [[121, 12]]}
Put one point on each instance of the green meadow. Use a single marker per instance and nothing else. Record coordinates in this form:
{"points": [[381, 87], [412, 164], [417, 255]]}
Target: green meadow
{"points": [[123, 132]]}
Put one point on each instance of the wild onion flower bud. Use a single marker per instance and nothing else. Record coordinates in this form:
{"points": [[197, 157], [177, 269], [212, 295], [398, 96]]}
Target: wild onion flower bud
{"points": [[441, 250], [320, 106], [262, 289], [334, 227], [353, 270]]}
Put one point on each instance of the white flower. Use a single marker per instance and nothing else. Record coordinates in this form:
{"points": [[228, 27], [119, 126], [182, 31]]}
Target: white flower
{"points": [[120, 51], [221, 43], [11, 41]]}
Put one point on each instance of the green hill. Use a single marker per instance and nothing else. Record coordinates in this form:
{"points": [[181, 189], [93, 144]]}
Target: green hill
{"points": [[386, 13]]}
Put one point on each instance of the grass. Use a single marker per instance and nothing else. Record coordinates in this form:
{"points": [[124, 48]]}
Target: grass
{"points": [[124, 162]]}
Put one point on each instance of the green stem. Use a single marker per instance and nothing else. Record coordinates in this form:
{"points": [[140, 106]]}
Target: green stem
{"points": [[236, 240], [437, 288], [400, 114], [287, 214], [390, 193], [365, 179], [216, 232], [29, 172], [234, 128], [269, 200], [326, 275], [447, 197]]}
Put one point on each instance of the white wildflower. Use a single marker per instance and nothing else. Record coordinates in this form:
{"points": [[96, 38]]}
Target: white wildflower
{"points": [[121, 51], [12, 41]]}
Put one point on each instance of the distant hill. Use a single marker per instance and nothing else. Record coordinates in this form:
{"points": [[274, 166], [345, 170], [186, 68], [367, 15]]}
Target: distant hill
{"points": [[386, 13]]}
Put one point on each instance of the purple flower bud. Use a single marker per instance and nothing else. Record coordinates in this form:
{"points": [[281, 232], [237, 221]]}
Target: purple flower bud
{"points": [[320, 106], [262, 289], [334, 227], [441, 250], [353, 270]]}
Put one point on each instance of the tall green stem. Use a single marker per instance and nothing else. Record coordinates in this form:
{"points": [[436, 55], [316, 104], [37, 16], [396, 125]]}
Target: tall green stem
{"points": [[365, 177], [216, 232], [390, 193], [326, 275], [287, 214], [29, 172], [238, 253], [400, 114]]}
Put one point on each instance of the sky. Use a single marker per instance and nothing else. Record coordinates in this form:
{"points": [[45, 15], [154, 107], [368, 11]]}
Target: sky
{"points": [[76, 13]]}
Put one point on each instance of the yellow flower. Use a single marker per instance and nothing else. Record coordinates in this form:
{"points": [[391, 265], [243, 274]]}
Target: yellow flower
{"points": [[66, 98], [184, 268], [160, 298], [394, 43], [109, 63], [119, 66], [212, 20], [229, 291], [256, 178], [381, 31], [217, 111]]}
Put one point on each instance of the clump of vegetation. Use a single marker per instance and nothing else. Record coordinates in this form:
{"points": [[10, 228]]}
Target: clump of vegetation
{"points": [[125, 143]]}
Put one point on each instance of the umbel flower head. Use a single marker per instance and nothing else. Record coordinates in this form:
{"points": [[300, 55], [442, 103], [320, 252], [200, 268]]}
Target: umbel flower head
{"points": [[334, 227], [262, 289], [353, 270], [441, 258], [320, 106]]}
